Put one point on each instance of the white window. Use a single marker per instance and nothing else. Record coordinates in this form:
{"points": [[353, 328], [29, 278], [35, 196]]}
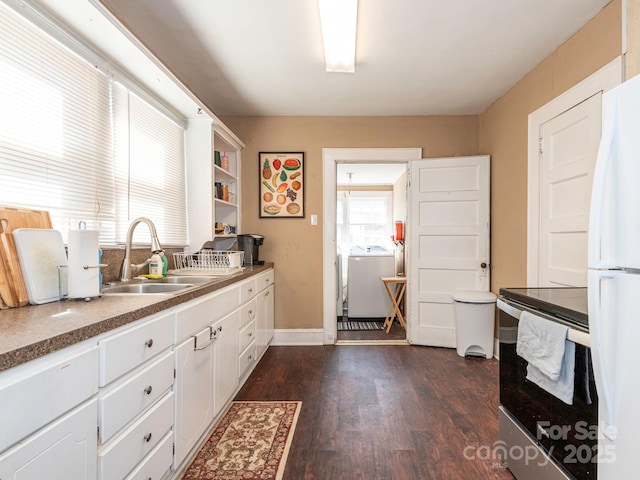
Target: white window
{"points": [[364, 218], [61, 149]]}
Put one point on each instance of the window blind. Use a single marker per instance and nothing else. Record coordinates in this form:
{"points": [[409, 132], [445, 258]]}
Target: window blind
{"points": [[83, 146], [150, 169], [55, 134]]}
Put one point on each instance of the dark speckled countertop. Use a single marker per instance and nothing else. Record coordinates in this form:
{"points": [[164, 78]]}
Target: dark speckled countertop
{"points": [[27, 333]]}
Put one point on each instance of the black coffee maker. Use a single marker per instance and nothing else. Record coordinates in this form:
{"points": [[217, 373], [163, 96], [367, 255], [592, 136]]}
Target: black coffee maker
{"points": [[249, 244]]}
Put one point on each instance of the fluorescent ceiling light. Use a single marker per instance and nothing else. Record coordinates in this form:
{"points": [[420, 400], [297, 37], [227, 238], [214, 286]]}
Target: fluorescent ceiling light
{"points": [[338, 19]]}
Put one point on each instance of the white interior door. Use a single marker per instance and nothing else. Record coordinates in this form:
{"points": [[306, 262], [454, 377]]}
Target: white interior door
{"points": [[569, 145], [448, 242]]}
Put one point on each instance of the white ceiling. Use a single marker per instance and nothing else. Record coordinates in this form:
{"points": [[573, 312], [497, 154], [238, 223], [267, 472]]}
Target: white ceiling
{"points": [[414, 57]]}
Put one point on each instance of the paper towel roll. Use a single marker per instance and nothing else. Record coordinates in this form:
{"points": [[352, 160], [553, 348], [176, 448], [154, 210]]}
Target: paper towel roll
{"points": [[83, 261]]}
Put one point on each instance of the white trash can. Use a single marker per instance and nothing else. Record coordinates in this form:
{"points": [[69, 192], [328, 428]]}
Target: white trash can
{"points": [[475, 322]]}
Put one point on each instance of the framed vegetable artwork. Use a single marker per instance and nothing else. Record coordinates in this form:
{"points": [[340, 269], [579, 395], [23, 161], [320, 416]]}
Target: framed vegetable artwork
{"points": [[281, 185]]}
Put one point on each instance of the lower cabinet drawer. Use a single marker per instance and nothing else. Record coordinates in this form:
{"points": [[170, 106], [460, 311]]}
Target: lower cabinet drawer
{"points": [[126, 350], [119, 405], [264, 279], [248, 312], [157, 463], [124, 452], [247, 358], [247, 335], [248, 290]]}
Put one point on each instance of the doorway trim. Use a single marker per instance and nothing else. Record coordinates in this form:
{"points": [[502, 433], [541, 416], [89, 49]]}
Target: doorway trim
{"points": [[330, 158], [604, 79]]}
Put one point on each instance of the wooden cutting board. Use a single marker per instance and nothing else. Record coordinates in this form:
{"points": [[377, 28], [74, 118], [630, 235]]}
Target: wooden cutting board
{"points": [[12, 286]]}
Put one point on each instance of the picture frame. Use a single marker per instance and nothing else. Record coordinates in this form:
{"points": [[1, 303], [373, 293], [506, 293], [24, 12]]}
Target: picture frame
{"points": [[281, 184]]}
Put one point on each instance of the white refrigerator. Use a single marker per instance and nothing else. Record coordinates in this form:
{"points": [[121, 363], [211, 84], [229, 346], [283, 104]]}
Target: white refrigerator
{"points": [[614, 282]]}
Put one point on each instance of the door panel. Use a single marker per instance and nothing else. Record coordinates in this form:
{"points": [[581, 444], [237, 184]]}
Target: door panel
{"points": [[569, 147], [448, 241]]}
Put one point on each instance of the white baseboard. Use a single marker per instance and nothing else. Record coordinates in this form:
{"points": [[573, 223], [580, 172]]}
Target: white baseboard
{"points": [[297, 336]]}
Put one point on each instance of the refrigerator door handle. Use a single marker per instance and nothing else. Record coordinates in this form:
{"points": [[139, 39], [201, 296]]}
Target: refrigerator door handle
{"points": [[600, 370], [604, 157]]}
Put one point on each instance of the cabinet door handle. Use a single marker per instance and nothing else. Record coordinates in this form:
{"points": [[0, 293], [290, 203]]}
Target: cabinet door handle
{"points": [[250, 312], [251, 334], [267, 294], [148, 390], [147, 437], [149, 343], [251, 290]]}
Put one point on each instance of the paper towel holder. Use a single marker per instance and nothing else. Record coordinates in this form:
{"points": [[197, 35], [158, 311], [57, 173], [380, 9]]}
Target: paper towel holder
{"points": [[82, 226]]}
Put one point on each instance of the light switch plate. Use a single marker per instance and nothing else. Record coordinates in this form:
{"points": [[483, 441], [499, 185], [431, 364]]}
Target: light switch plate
{"points": [[314, 219]]}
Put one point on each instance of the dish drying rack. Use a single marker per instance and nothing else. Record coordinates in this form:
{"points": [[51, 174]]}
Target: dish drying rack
{"points": [[209, 262]]}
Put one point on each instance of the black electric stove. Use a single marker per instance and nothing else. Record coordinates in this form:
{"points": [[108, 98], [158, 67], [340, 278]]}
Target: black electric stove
{"points": [[528, 413], [568, 303]]}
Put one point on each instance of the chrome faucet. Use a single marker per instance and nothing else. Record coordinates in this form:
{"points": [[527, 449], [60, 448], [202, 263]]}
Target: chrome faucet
{"points": [[127, 266]]}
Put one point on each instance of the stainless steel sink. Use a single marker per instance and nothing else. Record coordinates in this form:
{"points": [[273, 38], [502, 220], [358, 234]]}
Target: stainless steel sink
{"points": [[185, 279], [146, 288]]}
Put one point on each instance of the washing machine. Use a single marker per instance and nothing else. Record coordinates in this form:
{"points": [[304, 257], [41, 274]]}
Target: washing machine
{"points": [[366, 295]]}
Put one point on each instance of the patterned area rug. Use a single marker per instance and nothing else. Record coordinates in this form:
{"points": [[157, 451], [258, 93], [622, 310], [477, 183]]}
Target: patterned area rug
{"points": [[355, 326], [250, 442]]}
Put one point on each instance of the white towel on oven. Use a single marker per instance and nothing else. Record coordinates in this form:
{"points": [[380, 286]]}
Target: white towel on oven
{"points": [[551, 356]]}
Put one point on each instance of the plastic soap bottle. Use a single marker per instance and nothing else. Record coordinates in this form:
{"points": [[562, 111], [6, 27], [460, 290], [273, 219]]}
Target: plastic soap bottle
{"points": [[155, 267]]}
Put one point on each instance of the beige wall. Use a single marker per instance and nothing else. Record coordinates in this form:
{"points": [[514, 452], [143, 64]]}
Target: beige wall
{"points": [[503, 134], [294, 244]]}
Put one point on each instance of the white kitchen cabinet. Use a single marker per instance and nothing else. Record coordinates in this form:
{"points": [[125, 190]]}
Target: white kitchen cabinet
{"points": [[136, 398], [204, 311], [123, 401], [256, 320], [129, 448], [265, 310], [112, 408], [225, 359], [246, 353], [206, 364], [194, 391], [128, 349], [248, 290], [264, 279], [248, 333], [64, 449], [155, 465], [38, 392], [264, 319], [247, 360], [48, 417]]}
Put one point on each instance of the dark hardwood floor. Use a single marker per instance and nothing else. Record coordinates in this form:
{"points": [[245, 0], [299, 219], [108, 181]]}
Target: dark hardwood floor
{"points": [[384, 412]]}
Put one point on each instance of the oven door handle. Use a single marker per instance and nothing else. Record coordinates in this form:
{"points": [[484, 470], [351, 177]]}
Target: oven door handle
{"points": [[575, 336]]}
